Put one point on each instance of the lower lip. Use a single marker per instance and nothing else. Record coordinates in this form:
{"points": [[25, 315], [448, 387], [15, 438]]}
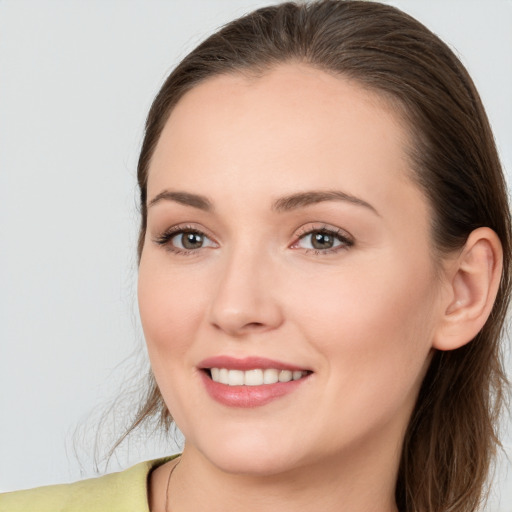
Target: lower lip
{"points": [[248, 396]]}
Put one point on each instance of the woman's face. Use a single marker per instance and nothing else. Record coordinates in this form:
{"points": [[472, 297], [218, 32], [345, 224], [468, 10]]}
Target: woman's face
{"points": [[286, 239]]}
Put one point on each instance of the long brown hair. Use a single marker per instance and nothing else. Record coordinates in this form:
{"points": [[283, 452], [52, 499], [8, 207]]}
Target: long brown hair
{"points": [[452, 435]]}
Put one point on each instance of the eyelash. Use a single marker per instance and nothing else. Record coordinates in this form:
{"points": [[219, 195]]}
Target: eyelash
{"points": [[165, 238], [339, 234], [346, 241]]}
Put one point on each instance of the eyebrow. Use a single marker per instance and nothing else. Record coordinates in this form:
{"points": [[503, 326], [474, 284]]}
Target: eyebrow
{"points": [[186, 198], [301, 199], [283, 204]]}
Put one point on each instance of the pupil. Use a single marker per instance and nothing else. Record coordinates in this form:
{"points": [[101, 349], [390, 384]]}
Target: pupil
{"points": [[322, 241], [192, 240]]}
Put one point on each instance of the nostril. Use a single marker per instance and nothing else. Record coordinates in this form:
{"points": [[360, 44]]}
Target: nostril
{"points": [[254, 325], [245, 318], [240, 330]]}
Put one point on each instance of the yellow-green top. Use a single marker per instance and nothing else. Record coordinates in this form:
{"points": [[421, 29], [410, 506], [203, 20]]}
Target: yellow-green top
{"points": [[125, 491]]}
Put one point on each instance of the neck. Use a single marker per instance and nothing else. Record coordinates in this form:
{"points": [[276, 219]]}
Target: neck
{"points": [[342, 484]]}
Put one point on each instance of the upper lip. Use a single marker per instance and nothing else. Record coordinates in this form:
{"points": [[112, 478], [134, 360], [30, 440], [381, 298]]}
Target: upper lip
{"points": [[246, 363]]}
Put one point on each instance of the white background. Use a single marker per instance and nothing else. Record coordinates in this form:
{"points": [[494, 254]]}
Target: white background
{"points": [[76, 81]]}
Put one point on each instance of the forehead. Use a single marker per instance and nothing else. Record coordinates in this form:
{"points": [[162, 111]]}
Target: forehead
{"points": [[291, 128]]}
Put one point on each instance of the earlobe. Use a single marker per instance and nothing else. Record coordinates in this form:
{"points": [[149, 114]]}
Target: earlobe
{"points": [[473, 281]]}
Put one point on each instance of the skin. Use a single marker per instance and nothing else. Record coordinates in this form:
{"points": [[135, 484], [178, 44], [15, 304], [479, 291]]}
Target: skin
{"points": [[363, 318]]}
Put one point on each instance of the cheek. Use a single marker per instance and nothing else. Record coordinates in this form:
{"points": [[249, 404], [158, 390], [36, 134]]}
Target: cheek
{"points": [[171, 307], [374, 329], [170, 312], [369, 301]]}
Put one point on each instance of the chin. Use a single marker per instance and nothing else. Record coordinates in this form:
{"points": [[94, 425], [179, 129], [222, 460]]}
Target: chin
{"points": [[252, 464], [251, 454]]}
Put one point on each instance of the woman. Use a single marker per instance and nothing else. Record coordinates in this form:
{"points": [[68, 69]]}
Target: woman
{"points": [[323, 272]]}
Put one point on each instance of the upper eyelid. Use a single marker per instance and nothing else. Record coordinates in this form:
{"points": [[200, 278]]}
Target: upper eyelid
{"points": [[180, 228], [163, 239], [311, 228]]}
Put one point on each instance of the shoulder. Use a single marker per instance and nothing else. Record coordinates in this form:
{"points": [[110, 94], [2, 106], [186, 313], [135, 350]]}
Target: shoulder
{"points": [[125, 491]]}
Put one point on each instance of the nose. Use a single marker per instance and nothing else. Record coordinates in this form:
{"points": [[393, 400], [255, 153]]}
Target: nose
{"points": [[245, 300]]}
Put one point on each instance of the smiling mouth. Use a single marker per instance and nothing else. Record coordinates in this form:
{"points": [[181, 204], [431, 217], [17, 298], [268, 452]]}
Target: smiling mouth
{"points": [[250, 382], [254, 377]]}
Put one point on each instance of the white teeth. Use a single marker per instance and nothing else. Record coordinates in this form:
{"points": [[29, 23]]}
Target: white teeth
{"points": [[255, 377], [235, 377], [223, 376], [270, 376], [285, 376]]}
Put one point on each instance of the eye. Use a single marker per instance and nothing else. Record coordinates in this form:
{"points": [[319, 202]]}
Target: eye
{"points": [[323, 240], [184, 240], [188, 240]]}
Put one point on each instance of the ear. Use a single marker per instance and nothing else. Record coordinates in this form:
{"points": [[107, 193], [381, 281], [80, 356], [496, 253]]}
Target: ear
{"points": [[473, 279]]}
